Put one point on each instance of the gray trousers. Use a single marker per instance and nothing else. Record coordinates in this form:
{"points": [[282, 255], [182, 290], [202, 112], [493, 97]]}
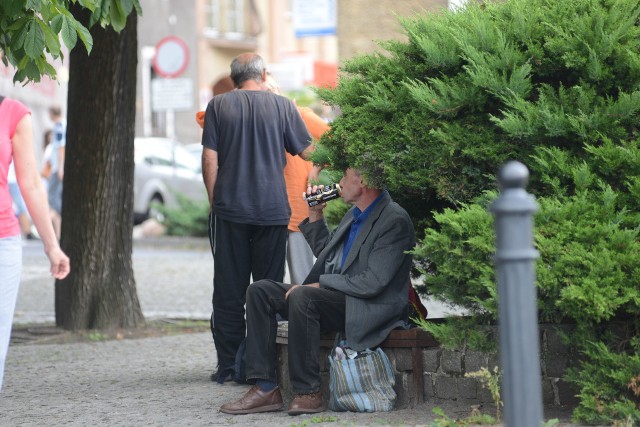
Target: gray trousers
{"points": [[299, 257]]}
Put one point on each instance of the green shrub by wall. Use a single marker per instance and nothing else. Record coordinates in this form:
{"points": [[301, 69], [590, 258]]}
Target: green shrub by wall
{"points": [[553, 84]]}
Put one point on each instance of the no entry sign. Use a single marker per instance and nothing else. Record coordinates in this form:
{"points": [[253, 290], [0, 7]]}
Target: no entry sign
{"points": [[171, 58]]}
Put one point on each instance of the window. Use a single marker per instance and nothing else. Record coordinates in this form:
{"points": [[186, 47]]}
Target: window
{"points": [[225, 19], [212, 16], [235, 18]]}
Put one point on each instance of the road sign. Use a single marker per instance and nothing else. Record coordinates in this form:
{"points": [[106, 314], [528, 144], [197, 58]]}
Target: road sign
{"points": [[313, 18], [171, 58], [171, 94]]}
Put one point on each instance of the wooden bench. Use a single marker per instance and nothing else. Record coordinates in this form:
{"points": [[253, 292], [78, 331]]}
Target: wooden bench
{"points": [[414, 340]]}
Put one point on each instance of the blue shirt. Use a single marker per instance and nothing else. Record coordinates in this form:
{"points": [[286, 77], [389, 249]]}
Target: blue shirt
{"points": [[59, 139], [359, 218]]}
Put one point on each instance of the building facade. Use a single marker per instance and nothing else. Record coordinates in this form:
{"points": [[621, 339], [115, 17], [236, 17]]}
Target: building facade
{"points": [[213, 32], [361, 23]]}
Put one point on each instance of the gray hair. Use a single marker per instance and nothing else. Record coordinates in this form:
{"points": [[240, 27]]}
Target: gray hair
{"points": [[247, 67]]}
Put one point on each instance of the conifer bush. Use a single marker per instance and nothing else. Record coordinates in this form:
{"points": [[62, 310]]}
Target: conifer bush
{"points": [[555, 85]]}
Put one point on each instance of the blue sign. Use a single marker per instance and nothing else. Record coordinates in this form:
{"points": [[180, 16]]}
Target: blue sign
{"points": [[313, 18]]}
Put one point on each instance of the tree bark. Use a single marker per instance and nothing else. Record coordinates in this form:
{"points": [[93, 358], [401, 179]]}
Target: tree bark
{"points": [[97, 213]]}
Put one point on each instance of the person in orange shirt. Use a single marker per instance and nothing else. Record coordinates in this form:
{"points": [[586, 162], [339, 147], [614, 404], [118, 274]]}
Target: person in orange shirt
{"points": [[298, 174]]}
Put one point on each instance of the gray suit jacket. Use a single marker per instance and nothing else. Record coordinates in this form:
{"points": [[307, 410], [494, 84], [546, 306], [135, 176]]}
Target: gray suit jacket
{"points": [[375, 275]]}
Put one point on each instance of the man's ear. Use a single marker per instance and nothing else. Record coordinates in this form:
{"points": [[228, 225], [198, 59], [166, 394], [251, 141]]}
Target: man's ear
{"points": [[264, 76]]}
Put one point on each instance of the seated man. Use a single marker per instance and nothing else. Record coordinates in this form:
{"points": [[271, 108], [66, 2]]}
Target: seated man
{"points": [[357, 285]]}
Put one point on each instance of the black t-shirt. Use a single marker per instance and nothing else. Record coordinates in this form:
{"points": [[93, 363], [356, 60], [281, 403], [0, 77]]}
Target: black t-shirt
{"points": [[251, 130]]}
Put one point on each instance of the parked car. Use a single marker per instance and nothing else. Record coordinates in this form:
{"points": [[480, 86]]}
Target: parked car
{"points": [[195, 149], [164, 168]]}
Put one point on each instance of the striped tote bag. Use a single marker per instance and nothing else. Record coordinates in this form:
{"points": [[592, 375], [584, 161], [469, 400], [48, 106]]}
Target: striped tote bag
{"points": [[362, 384]]}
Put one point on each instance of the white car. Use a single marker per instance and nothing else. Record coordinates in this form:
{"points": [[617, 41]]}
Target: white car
{"points": [[195, 149], [164, 168]]}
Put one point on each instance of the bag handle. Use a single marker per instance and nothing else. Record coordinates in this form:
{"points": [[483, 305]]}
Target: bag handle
{"points": [[337, 340]]}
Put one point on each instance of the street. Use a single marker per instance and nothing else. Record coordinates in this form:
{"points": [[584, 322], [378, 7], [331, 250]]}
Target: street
{"points": [[174, 279]]}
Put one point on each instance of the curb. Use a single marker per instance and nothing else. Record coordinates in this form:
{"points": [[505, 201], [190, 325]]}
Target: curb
{"points": [[172, 242]]}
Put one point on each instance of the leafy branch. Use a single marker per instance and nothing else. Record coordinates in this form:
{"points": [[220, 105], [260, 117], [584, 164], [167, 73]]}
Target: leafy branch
{"points": [[32, 32]]}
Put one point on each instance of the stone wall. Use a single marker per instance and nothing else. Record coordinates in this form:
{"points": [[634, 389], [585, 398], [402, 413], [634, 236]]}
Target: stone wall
{"points": [[444, 371]]}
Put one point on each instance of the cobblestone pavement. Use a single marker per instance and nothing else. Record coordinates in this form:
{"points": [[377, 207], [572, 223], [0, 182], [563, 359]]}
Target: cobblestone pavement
{"points": [[162, 381]]}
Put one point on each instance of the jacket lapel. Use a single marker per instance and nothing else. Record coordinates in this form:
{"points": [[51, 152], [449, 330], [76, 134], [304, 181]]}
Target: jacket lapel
{"points": [[341, 231], [365, 230]]}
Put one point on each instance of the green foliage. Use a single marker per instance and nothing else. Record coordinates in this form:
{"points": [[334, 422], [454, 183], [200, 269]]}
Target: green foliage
{"points": [[460, 332], [96, 336], [609, 383], [555, 85], [490, 381], [31, 31], [334, 212], [472, 420], [588, 272], [434, 117], [458, 257], [189, 218]]}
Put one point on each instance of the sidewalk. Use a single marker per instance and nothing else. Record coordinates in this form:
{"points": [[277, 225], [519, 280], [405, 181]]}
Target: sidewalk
{"points": [[146, 382], [160, 381], [174, 279]]}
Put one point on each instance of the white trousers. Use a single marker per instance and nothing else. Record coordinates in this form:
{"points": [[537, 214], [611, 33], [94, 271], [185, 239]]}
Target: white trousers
{"points": [[10, 271], [299, 257]]}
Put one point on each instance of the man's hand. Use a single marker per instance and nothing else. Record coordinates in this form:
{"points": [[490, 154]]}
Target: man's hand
{"points": [[315, 212], [291, 289]]}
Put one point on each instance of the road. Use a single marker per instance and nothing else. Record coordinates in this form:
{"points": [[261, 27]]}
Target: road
{"points": [[173, 279]]}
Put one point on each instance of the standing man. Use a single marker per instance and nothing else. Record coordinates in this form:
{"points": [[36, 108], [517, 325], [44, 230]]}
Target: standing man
{"points": [[359, 285], [246, 133], [59, 141]]}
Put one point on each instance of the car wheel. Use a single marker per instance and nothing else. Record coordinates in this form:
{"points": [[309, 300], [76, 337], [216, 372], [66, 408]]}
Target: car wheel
{"points": [[154, 212]]}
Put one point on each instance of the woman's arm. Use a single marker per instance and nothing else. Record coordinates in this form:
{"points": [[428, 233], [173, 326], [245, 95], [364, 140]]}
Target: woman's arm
{"points": [[35, 197]]}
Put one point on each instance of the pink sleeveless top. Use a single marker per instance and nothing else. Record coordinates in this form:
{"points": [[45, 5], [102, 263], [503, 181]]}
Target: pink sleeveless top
{"points": [[11, 112]]}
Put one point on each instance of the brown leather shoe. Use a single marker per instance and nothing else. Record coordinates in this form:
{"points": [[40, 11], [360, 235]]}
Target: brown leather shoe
{"points": [[254, 401], [307, 404]]}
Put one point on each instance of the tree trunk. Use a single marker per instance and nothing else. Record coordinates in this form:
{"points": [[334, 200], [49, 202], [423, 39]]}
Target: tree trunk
{"points": [[97, 213]]}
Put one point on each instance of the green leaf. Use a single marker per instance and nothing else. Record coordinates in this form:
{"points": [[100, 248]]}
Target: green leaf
{"points": [[136, 5], [27, 71], [45, 68], [56, 23], [34, 42], [88, 4], [12, 8], [51, 39], [126, 5], [95, 15], [84, 35], [23, 62], [18, 24], [68, 33], [117, 16], [17, 42]]}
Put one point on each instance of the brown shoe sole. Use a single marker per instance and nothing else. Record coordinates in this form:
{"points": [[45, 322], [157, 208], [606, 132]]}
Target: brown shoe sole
{"points": [[301, 411], [266, 408]]}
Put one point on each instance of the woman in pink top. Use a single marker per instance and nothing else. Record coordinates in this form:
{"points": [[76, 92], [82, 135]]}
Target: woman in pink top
{"points": [[16, 142]]}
